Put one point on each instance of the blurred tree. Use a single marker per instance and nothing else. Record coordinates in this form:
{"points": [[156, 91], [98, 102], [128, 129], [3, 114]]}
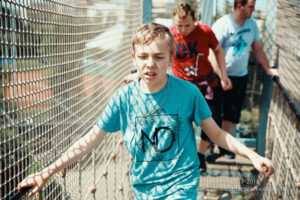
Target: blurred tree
{"points": [[263, 29], [228, 7], [216, 16]]}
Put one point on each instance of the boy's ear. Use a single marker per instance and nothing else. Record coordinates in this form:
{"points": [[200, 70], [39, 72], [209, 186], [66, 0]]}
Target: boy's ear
{"points": [[133, 58], [195, 21], [239, 5], [171, 60]]}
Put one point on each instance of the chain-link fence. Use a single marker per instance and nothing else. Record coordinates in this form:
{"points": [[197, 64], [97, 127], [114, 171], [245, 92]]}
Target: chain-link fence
{"points": [[60, 62], [283, 144], [282, 45]]}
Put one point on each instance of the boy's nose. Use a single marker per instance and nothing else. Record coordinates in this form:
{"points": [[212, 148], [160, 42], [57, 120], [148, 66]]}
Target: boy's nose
{"points": [[150, 62]]}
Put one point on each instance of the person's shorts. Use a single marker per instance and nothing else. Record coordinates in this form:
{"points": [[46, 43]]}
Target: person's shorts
{"points": [[215, 106], [233, 99]]}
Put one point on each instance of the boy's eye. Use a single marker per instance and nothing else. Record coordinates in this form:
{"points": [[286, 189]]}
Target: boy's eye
{"points": [[142, 57]]}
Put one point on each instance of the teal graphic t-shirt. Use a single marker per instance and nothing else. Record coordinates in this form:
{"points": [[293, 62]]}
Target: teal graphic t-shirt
{"points": [[158, 132]]}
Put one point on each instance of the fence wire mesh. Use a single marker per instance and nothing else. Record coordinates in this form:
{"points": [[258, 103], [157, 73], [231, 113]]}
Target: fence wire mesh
{"points": [[282, 46], [62, 60], [60, 63], [283, 144], [282, 42]]}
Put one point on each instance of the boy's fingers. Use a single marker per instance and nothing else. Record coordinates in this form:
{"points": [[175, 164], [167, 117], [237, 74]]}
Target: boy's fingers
{"points": [[38, 195], [33, 192], [267, 169], [270, 171], [20, 186], [261, 170]]}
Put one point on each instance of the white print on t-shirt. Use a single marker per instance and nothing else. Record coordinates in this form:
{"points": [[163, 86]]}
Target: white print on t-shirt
{"points": [[191, 70]]}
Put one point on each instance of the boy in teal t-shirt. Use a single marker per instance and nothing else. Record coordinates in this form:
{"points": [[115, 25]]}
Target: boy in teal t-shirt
{"points": [[158, 133], [155, 115]]}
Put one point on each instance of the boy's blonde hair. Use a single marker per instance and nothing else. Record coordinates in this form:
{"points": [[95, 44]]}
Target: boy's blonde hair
{"points": [[147, 33], [183, 11]]}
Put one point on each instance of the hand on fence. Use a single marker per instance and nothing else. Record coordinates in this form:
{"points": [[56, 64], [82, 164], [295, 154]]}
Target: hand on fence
{"points": [[263, 165], [275, 79], [274, 72], [131, 77], [35, 181]]}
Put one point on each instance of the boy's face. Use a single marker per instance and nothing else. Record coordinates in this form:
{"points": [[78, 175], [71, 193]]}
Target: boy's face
{"points": [[248, 9], [184, 26], [152, 62]]}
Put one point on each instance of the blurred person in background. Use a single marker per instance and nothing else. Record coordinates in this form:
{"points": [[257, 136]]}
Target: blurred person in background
{"points": [[237, 33]]}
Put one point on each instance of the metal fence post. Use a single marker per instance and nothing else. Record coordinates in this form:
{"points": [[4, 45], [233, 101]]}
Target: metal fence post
{"points": [[147, 11], [263, 115]]}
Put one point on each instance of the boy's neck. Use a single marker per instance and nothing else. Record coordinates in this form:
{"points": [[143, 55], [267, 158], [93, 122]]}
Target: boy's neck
{"points": [[149, 88], [237, 18]]}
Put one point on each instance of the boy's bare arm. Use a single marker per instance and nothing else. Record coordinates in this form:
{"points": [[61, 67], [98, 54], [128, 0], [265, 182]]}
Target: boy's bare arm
{"points": [[80, 148], [262, 58], [225, 140], [217, 59]]}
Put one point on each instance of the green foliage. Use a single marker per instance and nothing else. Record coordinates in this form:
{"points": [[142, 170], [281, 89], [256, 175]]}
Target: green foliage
{"points": [[52, 190], [263, 29], [216, 16], [228, 7], [249, 122], [10, 147], [14, 159]]}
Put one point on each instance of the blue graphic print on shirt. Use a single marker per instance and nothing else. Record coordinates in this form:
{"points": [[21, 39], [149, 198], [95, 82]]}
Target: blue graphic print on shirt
{"points": [[239, 47], [191, 50]]}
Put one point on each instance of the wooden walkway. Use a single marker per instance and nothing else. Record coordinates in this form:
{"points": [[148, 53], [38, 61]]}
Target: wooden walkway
{"points": [[227, 178]]}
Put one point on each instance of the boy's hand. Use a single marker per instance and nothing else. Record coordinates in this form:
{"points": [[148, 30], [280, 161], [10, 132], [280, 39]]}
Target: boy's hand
{"points": [[130, 77], [263, 165], [226, 84], [273, 72], [37, 181]]}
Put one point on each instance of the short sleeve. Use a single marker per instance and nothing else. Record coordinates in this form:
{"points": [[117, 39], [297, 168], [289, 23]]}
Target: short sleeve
{"points": [[256, 32], [109, 119], [218, 32], [201, 109], [213, 39]]}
